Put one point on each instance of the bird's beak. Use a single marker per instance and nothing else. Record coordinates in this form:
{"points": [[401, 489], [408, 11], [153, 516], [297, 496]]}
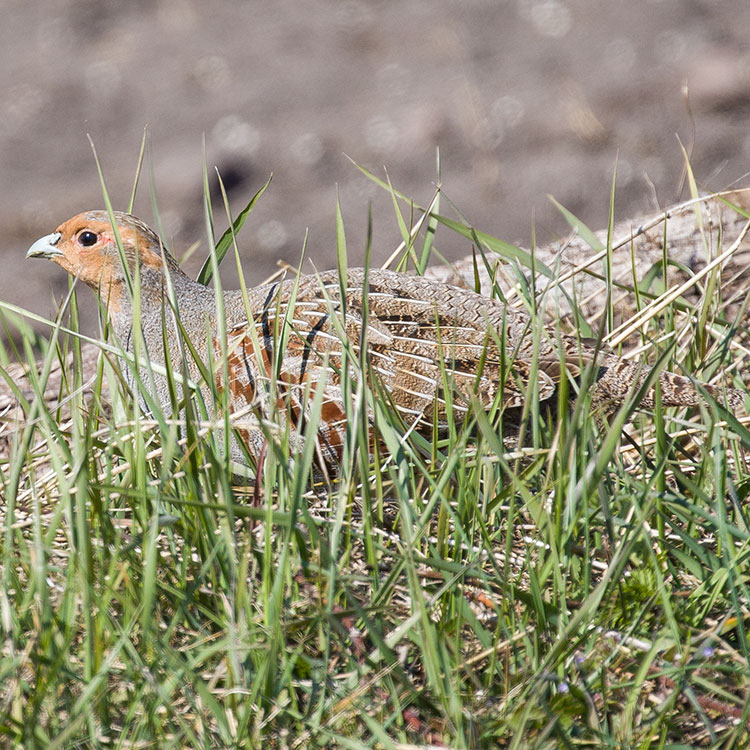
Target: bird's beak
{"points": [[45, 247]]}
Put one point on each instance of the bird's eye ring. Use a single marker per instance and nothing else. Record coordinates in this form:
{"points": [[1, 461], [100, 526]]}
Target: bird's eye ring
{"points": [[87, 239]]}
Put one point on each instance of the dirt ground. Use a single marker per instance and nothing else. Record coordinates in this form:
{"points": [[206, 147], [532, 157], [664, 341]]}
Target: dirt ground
{"points": [[524, 98]]}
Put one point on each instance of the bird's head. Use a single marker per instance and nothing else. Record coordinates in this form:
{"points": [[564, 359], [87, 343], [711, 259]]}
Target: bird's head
{"points": [[86, 247]]}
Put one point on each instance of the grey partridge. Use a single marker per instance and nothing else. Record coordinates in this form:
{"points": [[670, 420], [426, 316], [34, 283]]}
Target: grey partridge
{"points": [[421, 337]]}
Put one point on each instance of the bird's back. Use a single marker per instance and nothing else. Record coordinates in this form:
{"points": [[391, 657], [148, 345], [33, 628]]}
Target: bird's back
{"points": [[428, 348]]}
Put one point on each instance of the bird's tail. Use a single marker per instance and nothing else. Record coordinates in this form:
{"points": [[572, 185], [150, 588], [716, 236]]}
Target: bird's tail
{"points": [[619, 380]]}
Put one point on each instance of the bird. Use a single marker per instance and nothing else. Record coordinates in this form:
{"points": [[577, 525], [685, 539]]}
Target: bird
{"points": [[432, 351]]}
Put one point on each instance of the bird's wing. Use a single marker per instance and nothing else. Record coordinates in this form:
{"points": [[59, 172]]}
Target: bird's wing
{"points": [[425, 351]]}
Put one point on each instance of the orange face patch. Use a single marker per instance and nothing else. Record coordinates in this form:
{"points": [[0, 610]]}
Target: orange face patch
{"points": [[85, 252], [89, 252]]}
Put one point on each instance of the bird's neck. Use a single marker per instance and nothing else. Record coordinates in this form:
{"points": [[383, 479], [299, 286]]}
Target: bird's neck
{"points": [[154, 302]]}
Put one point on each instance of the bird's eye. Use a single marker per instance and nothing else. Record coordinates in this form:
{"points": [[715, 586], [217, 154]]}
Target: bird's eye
{"points": [[87, 239]]}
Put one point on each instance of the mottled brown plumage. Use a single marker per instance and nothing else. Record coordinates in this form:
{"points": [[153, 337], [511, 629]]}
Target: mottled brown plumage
{"points": [[423, 338]]}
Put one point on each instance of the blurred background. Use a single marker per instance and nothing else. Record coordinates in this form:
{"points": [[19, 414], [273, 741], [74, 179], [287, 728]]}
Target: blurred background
{"points": [[524, 98]]}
